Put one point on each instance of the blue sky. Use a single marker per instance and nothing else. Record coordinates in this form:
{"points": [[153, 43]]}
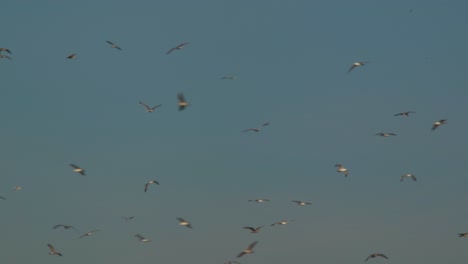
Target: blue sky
{"points": [[290, 59]]}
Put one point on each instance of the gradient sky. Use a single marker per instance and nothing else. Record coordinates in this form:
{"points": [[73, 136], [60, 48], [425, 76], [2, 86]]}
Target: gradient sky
{"points": [[291, 60]]}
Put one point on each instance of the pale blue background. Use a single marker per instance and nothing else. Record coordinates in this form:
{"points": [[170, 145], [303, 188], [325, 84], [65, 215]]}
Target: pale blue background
{"points": [[291, 59]]}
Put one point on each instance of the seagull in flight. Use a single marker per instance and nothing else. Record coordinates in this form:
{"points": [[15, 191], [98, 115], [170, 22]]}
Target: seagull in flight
{"points": [[183, 222], [149, 109], [77, 169], [404, 113], [248, 250], [301, 203], [408, 175], [150, 182], [72, 56], [376, 255], [356, 64], [52, 250], [142, 239], [128, 218], [463, 235], [252, 229], [65, 227], [231, 77], [257, 129], [439, 123], [5, 49], [5, 56], [90, 233], [386, 134], [178, 47], [182, 102], [341, 168], [17, 188], [259, 200], [284, 222], [114, 46]]}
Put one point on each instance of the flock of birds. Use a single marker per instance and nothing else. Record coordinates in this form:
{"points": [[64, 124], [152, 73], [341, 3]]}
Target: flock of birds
{"points": [[182, 105]]}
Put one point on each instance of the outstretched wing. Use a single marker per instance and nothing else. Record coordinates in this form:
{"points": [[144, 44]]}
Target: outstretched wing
{"points": [[145, 105]]}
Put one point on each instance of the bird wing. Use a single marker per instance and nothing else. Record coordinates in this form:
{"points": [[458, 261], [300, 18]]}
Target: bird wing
{"points": [[413, 177], [265, 124], [241, 254], [382, 255], [351, 68], [250, 129], [139, 236], [146, 186], [155, 107], [248, 227], [74, 166], [145, 105], [435, 126], [182, 45], [51, 248], [110, 42], [399, 114], [252, 245], [181, 97], [1, 197], [57, 226], [171, 50], [180, 219]]}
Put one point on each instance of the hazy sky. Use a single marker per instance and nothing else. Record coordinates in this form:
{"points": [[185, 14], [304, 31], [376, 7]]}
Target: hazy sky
{"points": [[291, 60]]}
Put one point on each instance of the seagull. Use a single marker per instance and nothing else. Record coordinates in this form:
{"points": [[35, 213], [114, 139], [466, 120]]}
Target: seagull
{"points": [[142, 239], [284, 222], [182, 102], [256, 129], [17, 188], [65, 227], [90, 233], [182, 222], [53, 251], [5, 49], [229, 77], [72, 56], [78, 169], [3, 198], [248, 250], [259, 200], [178, 47], [114, 46], [5, 56], [128, 218], [253, 230], [376, 255], [386, 134], [439, 123], [341, 168], [404, 113], [463, 235], [408, 175], [149, 109], [302, 203], [357, 64], [150, 182]]}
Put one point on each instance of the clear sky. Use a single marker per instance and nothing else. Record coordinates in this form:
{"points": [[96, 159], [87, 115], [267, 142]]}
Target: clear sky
{"points": [[291, 60]]}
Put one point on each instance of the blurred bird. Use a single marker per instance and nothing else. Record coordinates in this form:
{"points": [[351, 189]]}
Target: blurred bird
{"points": [[5, 49], [439, 123], [182, 102], [463, 235], [376, 255], [5, 56], [78, 169], [178, 47], [253, 230], [128, 218], [150, 182], [258, 128], [259, 200], [149, 109], [3, 198], [385, 134], [356, 64], [408, 175], [228, 77], [90, 233], [65, 227], [114, 46], [72, 56], [52, 250], [404, 113], [341, 168], [182, 222], [17, 188], [301, 203], [284, 222], [248, 250], [142, 239]]}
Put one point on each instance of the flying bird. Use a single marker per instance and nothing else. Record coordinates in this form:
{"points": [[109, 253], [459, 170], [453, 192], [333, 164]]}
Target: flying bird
{"points": [[72, 56], [259, 200], [52, 250], [248, 250], [90, 233], [183, 222], [149, 109], [356, 64], [229, 77], [182, 102], [150, 182], [5, 49], [257, 129], [463, 235], [5, 56], [114, 46], [78, 169], [252, 229], [128, 218], [284, 222], [386, 134], [65, 227], [341, 168], [3, 198], [408, 175], [404, 113], [376, 255], [17, 188], [301, 203], [178, 47], [142, 239], [439, 123]]}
